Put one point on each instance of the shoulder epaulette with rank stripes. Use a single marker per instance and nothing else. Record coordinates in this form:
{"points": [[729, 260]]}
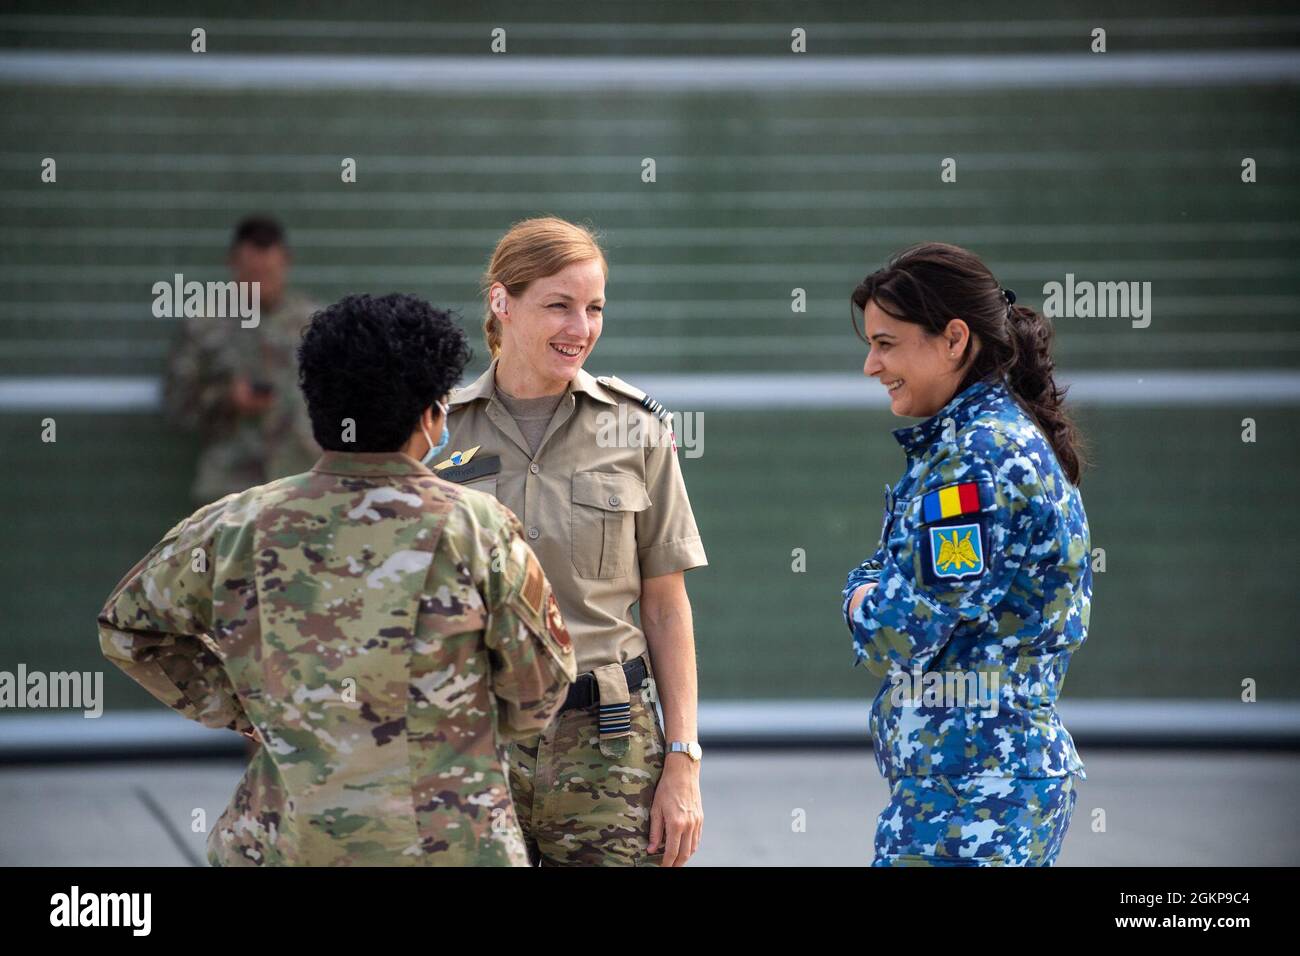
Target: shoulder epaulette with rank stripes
{"points": [[616, 384]]}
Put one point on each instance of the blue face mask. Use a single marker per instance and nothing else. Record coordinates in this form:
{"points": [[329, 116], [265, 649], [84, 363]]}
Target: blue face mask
{"points": [[442, 442]]}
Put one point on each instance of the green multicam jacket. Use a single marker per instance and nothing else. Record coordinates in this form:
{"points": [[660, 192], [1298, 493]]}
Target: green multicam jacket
{"points": [[381, 632]]}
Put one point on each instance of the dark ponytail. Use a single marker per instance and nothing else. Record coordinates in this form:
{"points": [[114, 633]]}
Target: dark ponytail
{"points": [[1029, 376], [933, 283]]}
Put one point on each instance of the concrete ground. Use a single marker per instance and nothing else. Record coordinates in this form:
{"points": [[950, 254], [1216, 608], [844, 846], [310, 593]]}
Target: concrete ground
{"points": [[1177, 808]]}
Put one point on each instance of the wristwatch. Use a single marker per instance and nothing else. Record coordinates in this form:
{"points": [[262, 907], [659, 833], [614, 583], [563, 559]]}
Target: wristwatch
{"points": [[690, 748]]}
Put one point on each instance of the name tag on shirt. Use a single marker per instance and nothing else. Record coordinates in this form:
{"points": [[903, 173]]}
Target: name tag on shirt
{"points": [[480, 467]]}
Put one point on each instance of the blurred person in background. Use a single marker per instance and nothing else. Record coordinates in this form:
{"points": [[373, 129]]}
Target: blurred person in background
{"points": [[610, 520], [981, 587], [237, 387], [379, 632]]}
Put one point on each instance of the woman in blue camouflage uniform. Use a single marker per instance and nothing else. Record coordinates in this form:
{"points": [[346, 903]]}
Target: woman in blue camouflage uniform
{"points": [[980, 589]]}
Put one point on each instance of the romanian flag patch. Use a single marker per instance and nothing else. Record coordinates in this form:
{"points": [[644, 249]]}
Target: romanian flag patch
{"points": [[951, 502]]}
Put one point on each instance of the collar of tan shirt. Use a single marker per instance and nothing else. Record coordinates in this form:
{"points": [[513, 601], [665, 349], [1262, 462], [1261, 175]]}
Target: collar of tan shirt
{"points": [[485, 386]]}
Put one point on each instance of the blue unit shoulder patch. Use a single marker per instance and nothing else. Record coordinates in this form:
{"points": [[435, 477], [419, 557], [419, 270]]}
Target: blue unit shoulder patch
{"points": [[955, 552]]}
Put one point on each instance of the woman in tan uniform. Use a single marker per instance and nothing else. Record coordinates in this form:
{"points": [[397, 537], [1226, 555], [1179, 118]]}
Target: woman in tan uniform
{"points": [[589, 465]]}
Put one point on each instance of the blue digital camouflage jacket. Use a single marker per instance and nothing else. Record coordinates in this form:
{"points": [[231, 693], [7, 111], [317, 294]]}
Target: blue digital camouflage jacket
{"points": [[984, 592]]}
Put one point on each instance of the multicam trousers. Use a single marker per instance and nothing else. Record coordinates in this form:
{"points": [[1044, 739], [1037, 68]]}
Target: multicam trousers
{"points": [[974, 821], [584, 802]]}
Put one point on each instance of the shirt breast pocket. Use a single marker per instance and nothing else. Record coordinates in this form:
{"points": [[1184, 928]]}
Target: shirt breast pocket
{"points": [[604, 508], [486, 485]]}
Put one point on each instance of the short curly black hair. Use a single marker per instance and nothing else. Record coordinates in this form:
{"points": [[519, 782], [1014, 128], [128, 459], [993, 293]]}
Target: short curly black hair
{"points": [[379, 361]]}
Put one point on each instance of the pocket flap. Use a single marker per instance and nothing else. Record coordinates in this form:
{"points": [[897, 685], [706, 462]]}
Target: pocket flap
{"points": [[486, 485], [609, 492]]}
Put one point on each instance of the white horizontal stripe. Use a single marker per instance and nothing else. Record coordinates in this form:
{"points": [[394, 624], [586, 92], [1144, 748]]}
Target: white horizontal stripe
{"points": [[748, 346], [748, 391], [827, 346], [82, 394], [735, 722], [835, 390], [1236, 343], [509, 73], [774, 309], [1137, 343], [1134, 721]]}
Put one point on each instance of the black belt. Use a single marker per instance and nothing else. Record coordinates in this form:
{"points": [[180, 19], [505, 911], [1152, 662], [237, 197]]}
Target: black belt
{"points": [[583, 692]]}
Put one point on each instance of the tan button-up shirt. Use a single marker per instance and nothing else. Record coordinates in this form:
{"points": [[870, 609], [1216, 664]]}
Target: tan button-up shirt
{"points": [[602, 506]]}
